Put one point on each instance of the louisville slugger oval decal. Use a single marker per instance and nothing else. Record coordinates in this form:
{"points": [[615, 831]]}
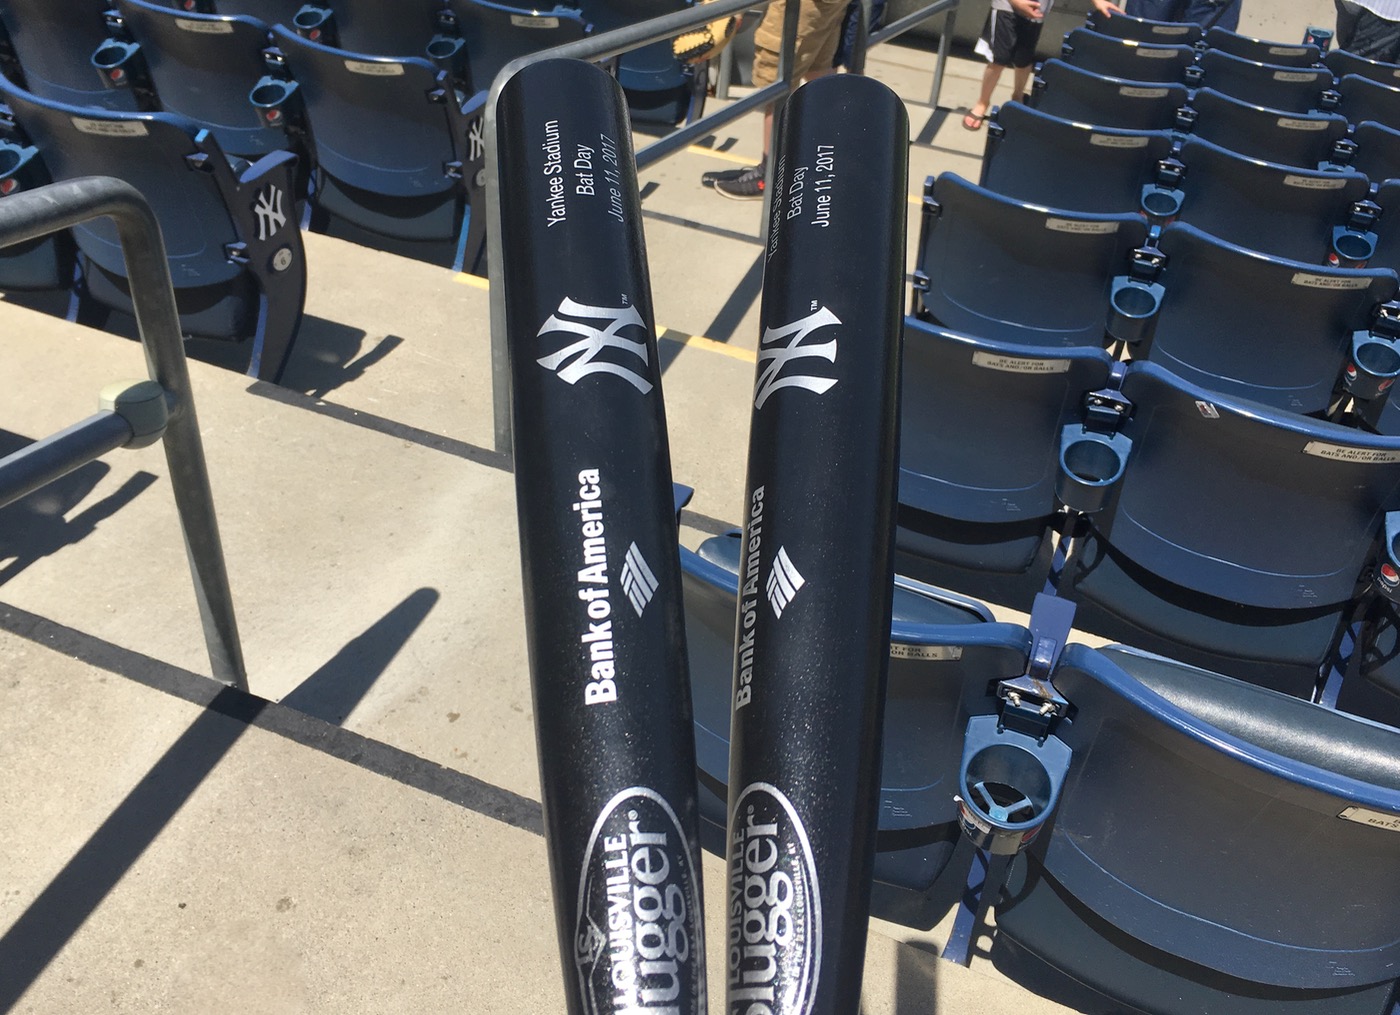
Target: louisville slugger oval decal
{"points": [[775, 910], [636, 946]]}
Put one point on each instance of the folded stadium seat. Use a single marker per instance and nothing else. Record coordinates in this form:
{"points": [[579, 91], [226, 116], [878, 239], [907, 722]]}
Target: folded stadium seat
{"points": [[1364, 99], [391, 144], [494, 34], [69, 55], [1387, 251], [943, 656], [1063, 90], [378, 27], [1033, 156], [1217, 847], [1118, 58], [1307, 140], [1238, 536], [1010, 271], [1377, 152], [39, 265], [1341, 63], [660, 89], [1290, 89], [1259, 327], [981, 425], [1283, 54], [230, 234], [1300, 214], [216, 70], [269, 12], [1169, 33]]}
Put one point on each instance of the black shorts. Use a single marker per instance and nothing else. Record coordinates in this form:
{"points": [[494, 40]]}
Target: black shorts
{"points": [[1012, 38]]}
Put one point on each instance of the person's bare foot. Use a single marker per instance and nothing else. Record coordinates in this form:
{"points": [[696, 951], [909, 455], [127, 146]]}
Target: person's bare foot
{"points": [[975, 117]]}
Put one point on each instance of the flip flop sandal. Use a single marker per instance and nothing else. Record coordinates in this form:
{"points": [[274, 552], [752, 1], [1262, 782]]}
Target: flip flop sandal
{"points": [[974, 122]]}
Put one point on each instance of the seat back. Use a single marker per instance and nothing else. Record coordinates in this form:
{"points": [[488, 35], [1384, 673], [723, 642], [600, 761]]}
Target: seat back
{"points": [[269, 12], [1341, 63], [1259, 327], [55, 42], [385, 27], [981, 421], [149, 151], [1066, 91], [380, 124], [1231, 826], [1014, 272], [1118, 58], [1036, 157], [1364, 99], [652, 69], [1387, 253], [1377, 151], [1246, 504], [205, 67], [1281, 210], [494, 34], [1276, 86], [1291, 139], [1283, 54], [1169, 33]]}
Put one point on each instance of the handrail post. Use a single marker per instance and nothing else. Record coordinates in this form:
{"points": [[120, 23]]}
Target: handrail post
{"points": [[944, 39], [57, 206]]}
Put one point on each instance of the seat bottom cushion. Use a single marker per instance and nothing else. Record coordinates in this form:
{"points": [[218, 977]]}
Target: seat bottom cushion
{"points": [[225, 311], [426, 218]]}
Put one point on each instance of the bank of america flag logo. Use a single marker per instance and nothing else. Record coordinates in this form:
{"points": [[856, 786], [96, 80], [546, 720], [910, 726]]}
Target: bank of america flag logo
{"points": [[637, 580], [784, 581], [600, 331]]}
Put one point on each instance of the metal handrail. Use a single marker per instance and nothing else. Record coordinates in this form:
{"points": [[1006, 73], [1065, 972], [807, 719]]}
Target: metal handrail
{"points": [[33, 214], [602, 47]]}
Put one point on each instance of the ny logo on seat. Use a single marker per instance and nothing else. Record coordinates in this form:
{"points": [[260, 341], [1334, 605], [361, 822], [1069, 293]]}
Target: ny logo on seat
{"points": [[781, 346], [268, 209], [586, 352]]}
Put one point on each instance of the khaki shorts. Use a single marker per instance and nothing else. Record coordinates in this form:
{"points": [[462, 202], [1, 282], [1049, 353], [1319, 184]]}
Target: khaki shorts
{"points": [[818, 32]]}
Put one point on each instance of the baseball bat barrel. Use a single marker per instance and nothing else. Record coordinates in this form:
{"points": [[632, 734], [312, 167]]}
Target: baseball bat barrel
{"points": [[816, 581], [598, 548]]}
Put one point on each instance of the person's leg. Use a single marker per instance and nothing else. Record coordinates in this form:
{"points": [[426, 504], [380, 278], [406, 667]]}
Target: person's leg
{"points": [[1020, 78], [978, 113], [1023, 55], [1152, 10], [1375, 38], [1347, 13], [1204, 12]]}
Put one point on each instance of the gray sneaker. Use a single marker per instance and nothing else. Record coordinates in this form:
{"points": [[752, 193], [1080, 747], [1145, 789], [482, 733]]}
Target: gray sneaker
{"points": [[747, 186], [715, 175]]}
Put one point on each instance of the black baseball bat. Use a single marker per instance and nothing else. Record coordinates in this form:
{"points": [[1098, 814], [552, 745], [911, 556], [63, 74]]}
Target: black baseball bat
{"points": [[598, 547], [816, 582]]}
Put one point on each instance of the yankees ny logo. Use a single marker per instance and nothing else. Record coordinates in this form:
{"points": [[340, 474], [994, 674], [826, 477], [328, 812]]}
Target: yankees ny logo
{"points": [[269, 212], [781, 346], [587, 350], [476, 140]]}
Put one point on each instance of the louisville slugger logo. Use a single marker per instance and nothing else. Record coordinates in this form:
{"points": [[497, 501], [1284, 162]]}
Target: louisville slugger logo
{"points": [[788, 344], [637, 579], [784, 581], [584, 357]]}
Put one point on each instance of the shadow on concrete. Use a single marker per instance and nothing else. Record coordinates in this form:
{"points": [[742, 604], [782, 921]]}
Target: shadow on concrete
{"points": [[745, 294], [333, 691], [915, 978], [46, 926], [328, 354], [37, 525]]}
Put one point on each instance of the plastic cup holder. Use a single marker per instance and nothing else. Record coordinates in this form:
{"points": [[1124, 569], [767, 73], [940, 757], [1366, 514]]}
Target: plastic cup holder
{"points": [[1134, 301], [1090, 464], [1133, 310], [1006, 790], [1353, 248], [111, 55], [10, 160], [1161, 204], [1373, 368], [309, 17], [270, 93], [442, 47], [1378, 357]]}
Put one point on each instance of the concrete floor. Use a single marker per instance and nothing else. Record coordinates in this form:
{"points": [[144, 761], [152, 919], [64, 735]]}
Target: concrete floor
{"points": [[361, 835]]}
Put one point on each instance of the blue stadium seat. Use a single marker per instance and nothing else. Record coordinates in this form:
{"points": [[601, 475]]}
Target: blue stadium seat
{"points": [[230, 233], [1013, 272], [1290, 89], [1387, 252], [1259, 327], [943, 655], [1217, 848], [1281, 210], [1168, 33], [1307, 140], [377, 27], [269, 12], [1341, 63], [392, 146], [1033, 156], [660, 89], [1283, 54], [495, 34], [1063, 90], [1364, 99], [1238, 536], [1377, 153], [1117, 58], [38, 265], [56, 44], [216, 70], [981, 424]]}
